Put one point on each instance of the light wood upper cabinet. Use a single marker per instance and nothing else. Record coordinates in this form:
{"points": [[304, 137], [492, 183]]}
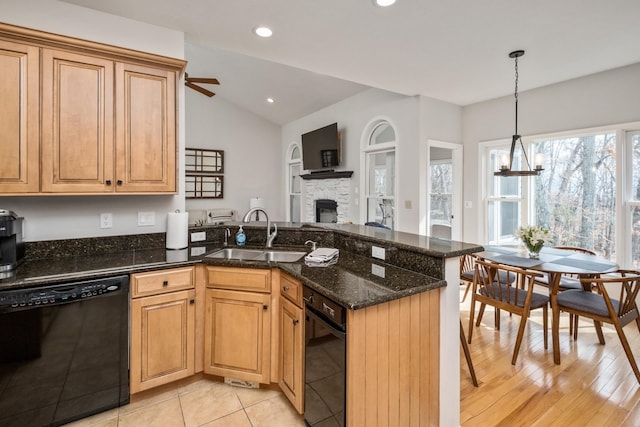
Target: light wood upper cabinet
{"points": [[146, 130], [88, 119], [77, 123], [19, 117]]}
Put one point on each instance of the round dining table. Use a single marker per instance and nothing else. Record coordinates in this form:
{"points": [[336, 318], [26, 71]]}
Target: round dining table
{"points": [[555, 262]]}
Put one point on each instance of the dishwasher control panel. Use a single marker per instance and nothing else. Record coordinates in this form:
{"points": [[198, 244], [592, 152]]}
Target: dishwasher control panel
{"points": [[330, 309], [58, 294]]}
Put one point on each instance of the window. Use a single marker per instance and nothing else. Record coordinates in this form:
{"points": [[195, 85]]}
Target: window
{"points": [[380, 166], [575, 195], [440, 194], [633, 199], [294, 182]]}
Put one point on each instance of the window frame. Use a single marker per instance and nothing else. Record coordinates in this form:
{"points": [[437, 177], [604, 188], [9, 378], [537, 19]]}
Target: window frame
{"points": [[291, 162], [367, 151], [624, 168]]}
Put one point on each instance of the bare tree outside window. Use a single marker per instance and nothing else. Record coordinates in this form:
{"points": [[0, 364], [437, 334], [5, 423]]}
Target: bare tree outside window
{"points": [[575, 196]]}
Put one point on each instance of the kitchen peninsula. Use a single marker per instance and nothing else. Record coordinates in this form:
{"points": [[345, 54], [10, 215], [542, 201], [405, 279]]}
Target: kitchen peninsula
{"points": [[401, 363]]}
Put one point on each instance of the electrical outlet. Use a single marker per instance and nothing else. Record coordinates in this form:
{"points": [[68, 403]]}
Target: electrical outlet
{"points": [[146, 219], [377, 252], [377, 270], [106, 220], [198, 250], [468, 204], [198, 237]]}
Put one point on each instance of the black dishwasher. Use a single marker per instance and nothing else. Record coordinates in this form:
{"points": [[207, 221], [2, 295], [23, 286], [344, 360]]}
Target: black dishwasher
{"points": [[325, 359], [63, 351]]}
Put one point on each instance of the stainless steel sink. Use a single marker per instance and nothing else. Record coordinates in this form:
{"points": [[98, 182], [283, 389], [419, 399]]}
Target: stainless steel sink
{"points": [[283, 256], [257, 255], [236, 253]]}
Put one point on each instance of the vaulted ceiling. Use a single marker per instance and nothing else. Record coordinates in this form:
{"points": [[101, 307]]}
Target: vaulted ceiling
{"points": [[325, 50]]}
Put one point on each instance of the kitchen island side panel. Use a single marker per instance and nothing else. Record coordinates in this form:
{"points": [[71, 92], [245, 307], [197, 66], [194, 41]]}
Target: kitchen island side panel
{"points": [[393, 360]]}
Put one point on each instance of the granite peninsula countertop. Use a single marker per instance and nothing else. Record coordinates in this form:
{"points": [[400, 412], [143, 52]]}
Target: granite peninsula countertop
{"points": [[349, 282]]}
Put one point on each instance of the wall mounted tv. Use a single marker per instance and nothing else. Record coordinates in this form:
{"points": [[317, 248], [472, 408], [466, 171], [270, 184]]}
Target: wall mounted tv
{"points": [[321, 148]]}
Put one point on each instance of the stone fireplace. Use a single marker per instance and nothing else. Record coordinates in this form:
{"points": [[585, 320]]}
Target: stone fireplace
{"points": [[336, 190]]}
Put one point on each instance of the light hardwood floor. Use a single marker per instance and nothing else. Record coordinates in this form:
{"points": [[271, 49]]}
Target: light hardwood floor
{"points": [[594, 384]]}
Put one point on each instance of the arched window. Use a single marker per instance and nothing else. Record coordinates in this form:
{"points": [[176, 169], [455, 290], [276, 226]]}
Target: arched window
{"points": [[294, 167], [380, 173]]}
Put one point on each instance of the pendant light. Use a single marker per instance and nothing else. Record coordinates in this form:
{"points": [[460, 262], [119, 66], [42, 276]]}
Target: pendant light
{"points": [[506, 163]]}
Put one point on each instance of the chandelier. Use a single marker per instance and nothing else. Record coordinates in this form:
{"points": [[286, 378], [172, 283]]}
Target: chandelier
{"points": [[506, 163]]}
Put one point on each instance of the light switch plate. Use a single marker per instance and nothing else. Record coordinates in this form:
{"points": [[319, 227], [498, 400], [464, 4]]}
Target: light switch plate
{"points": [[106, 220], [378, 252], [146, 219], [199, 236]]}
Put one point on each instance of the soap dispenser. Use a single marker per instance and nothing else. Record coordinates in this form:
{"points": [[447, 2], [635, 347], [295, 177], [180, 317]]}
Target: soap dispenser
{"points": [[241, 238]]}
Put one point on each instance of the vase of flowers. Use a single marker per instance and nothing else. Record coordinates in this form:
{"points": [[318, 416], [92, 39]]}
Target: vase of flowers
{"points": [[534, 238]]}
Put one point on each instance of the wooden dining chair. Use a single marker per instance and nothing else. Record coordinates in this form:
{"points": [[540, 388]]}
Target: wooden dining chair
{"points": [[467, 263], [602, 308], [567, 282], [467, 271], [490, 288]]}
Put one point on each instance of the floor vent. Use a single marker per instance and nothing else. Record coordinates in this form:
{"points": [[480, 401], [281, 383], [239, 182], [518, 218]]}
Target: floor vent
{"points": [[241, 383]]}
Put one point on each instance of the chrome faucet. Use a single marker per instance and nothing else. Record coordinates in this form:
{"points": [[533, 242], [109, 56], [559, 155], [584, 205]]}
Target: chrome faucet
{"points": [[270, 236], [227, 235]]}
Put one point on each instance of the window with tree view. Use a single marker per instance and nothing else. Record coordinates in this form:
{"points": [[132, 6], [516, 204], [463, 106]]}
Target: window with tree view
{"points": [[575, 195]]}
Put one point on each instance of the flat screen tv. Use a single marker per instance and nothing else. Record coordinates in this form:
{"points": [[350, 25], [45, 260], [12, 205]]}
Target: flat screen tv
{"points": [[321, 148]]}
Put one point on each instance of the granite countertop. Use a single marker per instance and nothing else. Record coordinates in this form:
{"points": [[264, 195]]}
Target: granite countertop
{"points": [[348, 282]]}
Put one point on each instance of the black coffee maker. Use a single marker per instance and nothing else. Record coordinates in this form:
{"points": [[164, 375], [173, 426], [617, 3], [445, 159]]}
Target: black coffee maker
{"points": [[11, 245]]}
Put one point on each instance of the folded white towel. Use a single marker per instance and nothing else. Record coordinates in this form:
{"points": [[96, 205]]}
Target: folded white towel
{"points": [[322, 255]]}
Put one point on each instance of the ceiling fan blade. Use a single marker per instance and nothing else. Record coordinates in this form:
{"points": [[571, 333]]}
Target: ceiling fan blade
{"points": [[203, 80], [200, 89]]}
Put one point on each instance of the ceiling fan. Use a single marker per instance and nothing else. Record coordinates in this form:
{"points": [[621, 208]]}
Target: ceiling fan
{"points": [[189, 82]]}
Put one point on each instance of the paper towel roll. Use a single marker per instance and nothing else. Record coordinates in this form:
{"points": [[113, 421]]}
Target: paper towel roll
{"points": [[177, 230]]}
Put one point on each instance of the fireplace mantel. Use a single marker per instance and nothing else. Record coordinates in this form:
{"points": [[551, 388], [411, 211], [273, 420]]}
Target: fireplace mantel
{"points": [[327, 175]]}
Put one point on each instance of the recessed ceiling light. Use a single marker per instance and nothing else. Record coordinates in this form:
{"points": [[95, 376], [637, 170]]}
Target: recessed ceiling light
{"points": [[270, 100], [263, 31], [385, 3]]}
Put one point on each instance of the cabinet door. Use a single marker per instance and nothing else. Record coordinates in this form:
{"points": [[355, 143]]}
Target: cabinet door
{"points": [[162, 339], [77, 123], [146, 129], [19, 118], [237, 335], [292, 353]]}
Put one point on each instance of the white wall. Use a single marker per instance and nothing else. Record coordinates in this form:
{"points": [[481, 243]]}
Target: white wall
{"points": [[606, 98], [51, 218], [253, 162], [353, 114]]}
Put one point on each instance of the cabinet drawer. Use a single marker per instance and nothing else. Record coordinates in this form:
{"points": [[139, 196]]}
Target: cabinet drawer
{"points": [[291, 289], [161, 281], [246, 279]]}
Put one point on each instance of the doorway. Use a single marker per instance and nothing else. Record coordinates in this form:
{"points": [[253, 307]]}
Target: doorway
{"points": [[441, 198]]}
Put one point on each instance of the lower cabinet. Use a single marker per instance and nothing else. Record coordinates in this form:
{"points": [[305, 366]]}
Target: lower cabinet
{"points": [[162, 328], [292, 352], [237, 328]]}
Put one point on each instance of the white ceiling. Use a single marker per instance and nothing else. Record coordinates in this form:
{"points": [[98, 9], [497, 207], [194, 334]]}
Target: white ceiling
{"points": [[325, 50]]}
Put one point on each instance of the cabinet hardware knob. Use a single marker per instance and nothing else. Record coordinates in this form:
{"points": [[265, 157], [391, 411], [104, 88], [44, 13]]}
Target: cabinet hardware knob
{"points": [[265, 306], [119, 182], [192, 301], [296, 321], [285, 288], [165, 283], [108, 182]]}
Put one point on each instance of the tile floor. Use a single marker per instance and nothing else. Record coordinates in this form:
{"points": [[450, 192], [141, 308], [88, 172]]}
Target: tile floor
{"points": [[202, 403]]}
